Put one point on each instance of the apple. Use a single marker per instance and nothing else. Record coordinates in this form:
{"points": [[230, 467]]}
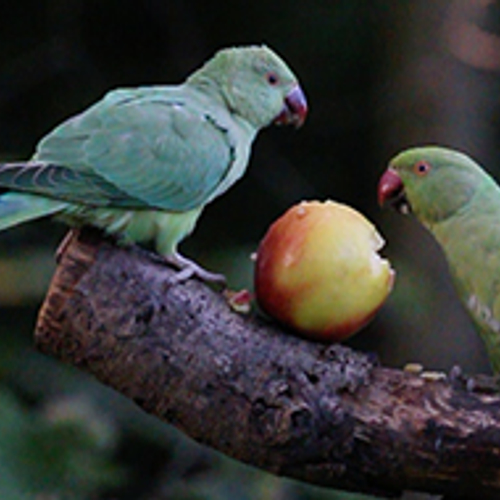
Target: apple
{"points": [[318, 271]]}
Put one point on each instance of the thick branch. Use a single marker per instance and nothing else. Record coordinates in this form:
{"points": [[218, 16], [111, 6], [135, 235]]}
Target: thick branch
{"points": [[322, 414]]}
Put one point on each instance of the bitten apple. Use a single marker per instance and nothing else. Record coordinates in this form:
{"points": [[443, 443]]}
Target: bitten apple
{"points": [[318, 270]]}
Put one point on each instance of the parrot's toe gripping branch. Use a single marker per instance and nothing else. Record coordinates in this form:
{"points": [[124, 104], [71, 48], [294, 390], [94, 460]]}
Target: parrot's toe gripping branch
{"points": [[188, 269]]}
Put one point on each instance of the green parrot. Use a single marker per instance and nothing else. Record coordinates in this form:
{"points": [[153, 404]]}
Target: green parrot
{"points": [[459, 203], [141, 163]]}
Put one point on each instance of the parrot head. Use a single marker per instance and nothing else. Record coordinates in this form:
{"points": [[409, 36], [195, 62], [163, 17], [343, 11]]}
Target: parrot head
{"points": [[256, 84], [431, 182]]}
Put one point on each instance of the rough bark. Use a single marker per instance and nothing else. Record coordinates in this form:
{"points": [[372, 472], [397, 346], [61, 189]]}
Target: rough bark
{"points": [[322, 414]]}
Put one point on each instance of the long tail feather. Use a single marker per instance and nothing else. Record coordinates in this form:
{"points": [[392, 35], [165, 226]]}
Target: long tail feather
{"points": [[16, 208]]}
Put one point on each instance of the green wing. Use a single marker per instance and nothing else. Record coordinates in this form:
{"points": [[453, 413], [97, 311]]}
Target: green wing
{"points": [[156, 148], [63, 183]]}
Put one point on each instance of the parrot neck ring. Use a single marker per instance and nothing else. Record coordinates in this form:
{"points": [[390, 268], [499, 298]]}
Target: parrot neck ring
{"points": [[391, 192]]}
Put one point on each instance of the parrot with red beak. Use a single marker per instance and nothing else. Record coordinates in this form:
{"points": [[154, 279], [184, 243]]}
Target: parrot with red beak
{"points": [[459, 203]]}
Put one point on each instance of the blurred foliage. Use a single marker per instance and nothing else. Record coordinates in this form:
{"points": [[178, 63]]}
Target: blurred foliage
{"points": [[380, 76], [63, 450]]}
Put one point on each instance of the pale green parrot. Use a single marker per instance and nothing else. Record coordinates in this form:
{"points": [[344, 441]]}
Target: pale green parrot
{"points": [[142, 163], [459, 203]]}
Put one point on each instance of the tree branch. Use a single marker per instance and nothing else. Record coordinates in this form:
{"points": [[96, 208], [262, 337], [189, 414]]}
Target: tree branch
{"points": [[322, 414]]}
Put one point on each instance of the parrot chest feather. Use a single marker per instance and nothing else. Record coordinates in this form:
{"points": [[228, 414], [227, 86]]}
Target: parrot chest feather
{"points": [[482, 313], [488, 327], [470, 243]]}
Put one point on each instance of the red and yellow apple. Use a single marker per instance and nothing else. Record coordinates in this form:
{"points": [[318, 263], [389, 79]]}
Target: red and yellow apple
{"points": [[318, 270]]}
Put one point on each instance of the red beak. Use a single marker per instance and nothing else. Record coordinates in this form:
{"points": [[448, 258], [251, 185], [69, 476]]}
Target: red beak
{"points": [[294, 108], [390, 186]]}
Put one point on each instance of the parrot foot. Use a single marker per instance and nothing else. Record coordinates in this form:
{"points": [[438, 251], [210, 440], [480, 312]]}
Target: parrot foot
{"points": [[188, 269]]}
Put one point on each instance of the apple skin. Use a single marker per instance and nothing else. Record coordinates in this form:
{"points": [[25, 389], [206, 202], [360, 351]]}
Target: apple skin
{"points": [[317, 270]]}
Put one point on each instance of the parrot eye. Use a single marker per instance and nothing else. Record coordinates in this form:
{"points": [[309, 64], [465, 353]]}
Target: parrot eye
{"points": [[421, 168], [272, 78]]}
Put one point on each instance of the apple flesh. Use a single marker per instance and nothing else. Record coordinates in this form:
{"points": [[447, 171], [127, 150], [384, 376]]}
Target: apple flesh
{"points": [[318, 270]]}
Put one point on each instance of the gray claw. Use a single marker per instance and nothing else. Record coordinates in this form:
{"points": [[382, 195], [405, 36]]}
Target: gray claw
{"points": [[188, 269]]}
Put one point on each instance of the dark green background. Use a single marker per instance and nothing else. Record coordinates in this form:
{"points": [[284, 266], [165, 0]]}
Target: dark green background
{"points": [[380, 76]]}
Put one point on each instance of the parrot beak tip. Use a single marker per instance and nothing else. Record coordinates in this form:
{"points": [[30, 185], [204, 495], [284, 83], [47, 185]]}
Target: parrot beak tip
{"points": [[294, 110], [391, 190]]}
